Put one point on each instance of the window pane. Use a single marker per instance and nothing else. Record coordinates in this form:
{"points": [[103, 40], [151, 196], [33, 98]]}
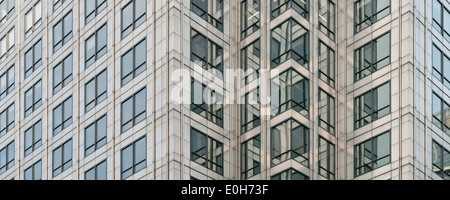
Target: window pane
{"points": [[140, 154], [101, 171], [37, 134], [127, 115], [38, 170], [67, 27], [68, 112], [29, 174], [127, 18], [28, 141], [127, 67], [38, 53], [90, 95], [101, 86], [57, 35], [141, 8], [29, 20], [140, 105], [141, 57], [127, 160], [90, 175], [90, 139], [198, 147], [101, 132], [67, 155], [57, 78], [38, 12], [57, 155], [57, 120], [382, 150], [37, 94], [101, 43]]}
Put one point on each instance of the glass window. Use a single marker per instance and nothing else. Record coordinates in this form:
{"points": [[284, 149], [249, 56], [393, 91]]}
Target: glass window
{"points": [[251, 158], [133, 15], [62, 74], [289, 40], [33, 138], [62, 158], [96, 91], [7, 120], [209, 10], [372, 154], [205, 53], [290, 90], [290, 140], [33, 58], [7, 155], [441, 161], [251, 61], [7, 44], [95, 136], [372, 105], [6, 10], [96, 45], [326, 18], [7, 83], [367, 12], [134, 110], [441, 114], [33, 98], [97, 173], [373, 57], [62, 116], [326, 159], [93, 9], [206, 151], [278, 7], [250, 113], [327, 64], [134, 62], [34, 172], [210, 108], [326, 112], [439, 61], [133, 158], [250, 12], [290, 174]]}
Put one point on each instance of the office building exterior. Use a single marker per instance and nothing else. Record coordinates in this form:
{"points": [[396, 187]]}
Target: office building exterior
{"points": [[359, 89]]}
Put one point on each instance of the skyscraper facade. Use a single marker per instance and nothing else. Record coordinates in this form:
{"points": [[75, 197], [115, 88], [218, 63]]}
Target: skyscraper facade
{"points": [[224, 90]]}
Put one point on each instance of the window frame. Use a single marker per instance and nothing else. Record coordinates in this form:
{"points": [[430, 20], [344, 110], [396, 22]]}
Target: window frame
{"points": [[35, 65], [372, 161], [244, 158], [33, 171], [136, 19], [35, 23], [97, 10], [34, 144], [373, 119], [133, 121], [65, 37], [98, 98], [63, 124], [62, 164], [374, 13], [97, 50], [9, 162], [374, 61], [209, 164], [9, 125], [98, 143], [35, 103], [96, 172], [65, 80], [134, 164], [135, 73], [9, 87]]}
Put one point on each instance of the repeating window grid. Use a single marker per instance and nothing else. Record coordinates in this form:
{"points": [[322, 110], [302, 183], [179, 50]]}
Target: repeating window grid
{"points": [[210, 11], [326, 159], [62, 31], [367, 156], [92, 10], [33, 19], [138, 14], [440, 63], [327, 18], [367, 109], [62, 158], [33, 138], [138, 64], [7, 155], [278, 7], [62, 116], [62, 73], [33, 58], [250, 17], [441, 161], [363, 19], [7, 44], [7, 8], [96, 91], [7, 83], [327, 64], [7, 118], [98, 43], [95, 136], [138, 111], [97, 172], [365, 66], [138, 159], [206, 151], [34, 172], [212, 109], [251, 157], [33, 98]]}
